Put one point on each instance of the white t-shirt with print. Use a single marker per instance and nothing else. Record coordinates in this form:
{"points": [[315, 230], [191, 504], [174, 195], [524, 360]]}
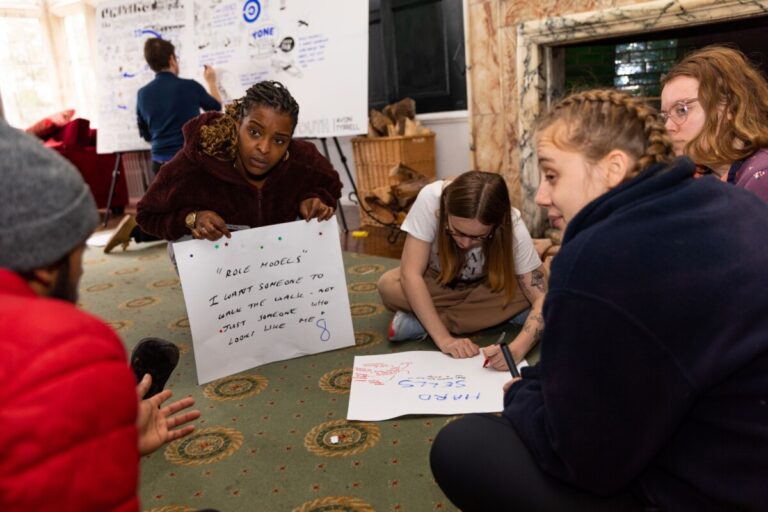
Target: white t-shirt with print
{"points": [[422, 222]]}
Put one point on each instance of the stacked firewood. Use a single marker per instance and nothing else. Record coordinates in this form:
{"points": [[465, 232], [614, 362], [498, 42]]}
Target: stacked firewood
{"points": [[390, 203], [393, 193], [396, 119]]}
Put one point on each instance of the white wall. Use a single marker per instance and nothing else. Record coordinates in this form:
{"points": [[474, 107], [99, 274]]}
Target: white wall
{"points": [[451, 147]]}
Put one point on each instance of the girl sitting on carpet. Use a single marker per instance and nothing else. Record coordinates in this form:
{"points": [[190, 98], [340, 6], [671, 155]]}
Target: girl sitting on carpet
{"points": [[651, 389], [468, 264], [715, 104], [241, 169]]}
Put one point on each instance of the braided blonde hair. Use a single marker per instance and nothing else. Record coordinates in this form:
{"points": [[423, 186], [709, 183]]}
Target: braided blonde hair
{"points": [[219, 139], [598, 121]]}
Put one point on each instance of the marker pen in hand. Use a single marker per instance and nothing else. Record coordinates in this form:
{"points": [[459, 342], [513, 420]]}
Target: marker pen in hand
{"points": [[509, 360], [498, 342]]}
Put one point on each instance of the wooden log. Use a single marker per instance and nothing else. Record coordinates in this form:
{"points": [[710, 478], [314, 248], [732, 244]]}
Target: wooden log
{"points": [[401, 173], [381, 194], [379, 121], [405, 193], [382, 213], [404, 109]]}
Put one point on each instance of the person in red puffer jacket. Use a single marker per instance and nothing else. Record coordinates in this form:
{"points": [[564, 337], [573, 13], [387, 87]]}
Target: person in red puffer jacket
{"points": [[70, 428]]}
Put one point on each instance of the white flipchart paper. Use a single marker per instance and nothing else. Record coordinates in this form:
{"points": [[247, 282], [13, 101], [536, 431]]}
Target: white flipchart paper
{"points": [[317, 49], [266, 294], [423, 382]]}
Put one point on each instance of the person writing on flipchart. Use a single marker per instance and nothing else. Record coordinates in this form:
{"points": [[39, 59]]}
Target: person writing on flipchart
{"points": [[163, 106]]}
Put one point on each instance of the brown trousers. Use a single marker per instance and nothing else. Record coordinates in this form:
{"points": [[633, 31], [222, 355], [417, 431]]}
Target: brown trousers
{"points": [[463, 309]]}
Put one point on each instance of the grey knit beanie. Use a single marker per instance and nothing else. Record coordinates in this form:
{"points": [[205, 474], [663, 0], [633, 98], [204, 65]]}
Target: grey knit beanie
{"points": [[46, 209]]}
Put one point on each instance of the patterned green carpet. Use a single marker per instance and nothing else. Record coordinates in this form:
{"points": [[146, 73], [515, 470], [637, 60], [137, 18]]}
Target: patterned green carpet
{"points": [[263, 443]]}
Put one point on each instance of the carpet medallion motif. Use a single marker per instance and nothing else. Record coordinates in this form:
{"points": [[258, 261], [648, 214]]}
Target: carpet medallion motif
{"points": [[181, 323], [120, 324], [164, 283], [367, 338], [337, 381], [335, 504], [126, 271], [362, 287], [341, 438], [204, 446], [99, 287], [361, 270], [362, 310], [236, 387], [140, 302]]}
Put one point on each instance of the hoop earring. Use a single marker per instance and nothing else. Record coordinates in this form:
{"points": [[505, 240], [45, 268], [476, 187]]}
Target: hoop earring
{"points": [[286, 156]]}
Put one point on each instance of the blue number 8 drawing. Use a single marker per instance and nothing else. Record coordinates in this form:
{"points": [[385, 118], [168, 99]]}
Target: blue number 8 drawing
{"points": [[325, 334], [251, 10]]}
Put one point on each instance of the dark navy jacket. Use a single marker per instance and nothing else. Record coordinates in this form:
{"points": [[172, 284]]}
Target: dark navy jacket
{"points": [[654, 360], [164, 105]]}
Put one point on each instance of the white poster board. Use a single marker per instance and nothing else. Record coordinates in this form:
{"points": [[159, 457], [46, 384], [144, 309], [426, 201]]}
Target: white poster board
{"points": [[423, 382], [318, 49], [266, 294], [121, 29]]}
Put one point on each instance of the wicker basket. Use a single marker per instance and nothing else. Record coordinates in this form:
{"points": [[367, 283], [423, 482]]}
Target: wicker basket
{"points": [[375, 158]]}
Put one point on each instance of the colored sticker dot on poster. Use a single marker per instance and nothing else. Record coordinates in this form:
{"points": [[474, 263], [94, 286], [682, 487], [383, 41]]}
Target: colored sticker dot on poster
{"points": [[216, 246], [279, 238]]}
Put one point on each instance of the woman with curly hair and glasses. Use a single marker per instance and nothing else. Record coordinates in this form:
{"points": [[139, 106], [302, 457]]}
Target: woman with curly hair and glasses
{"points": [[715, 107], [468, 264], [240, 169]]}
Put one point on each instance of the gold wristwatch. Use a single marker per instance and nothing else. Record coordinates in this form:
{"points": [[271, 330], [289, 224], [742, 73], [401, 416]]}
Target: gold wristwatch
{"points": [[190, 219]]}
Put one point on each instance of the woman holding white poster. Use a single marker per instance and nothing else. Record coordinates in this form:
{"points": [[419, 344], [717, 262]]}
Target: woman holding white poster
{"points": [[241, 169], [468, 264]]}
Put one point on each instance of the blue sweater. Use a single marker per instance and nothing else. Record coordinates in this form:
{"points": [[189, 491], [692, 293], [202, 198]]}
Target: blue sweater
{"points": [[654, 361], [164, 105]]}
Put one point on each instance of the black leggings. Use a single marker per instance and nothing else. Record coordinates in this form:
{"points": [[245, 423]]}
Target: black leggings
{"points": [[141, 236], [481, 464]]}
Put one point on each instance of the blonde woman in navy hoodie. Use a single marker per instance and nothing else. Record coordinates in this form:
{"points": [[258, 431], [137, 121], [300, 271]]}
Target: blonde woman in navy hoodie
{"points": [[652, 390]]}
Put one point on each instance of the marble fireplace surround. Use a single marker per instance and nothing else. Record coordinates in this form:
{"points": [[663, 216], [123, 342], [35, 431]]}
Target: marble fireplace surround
{"points": [[536, 68]]}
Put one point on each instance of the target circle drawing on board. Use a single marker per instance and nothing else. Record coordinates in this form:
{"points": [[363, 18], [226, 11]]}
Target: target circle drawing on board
{"points": [[251, 10]]}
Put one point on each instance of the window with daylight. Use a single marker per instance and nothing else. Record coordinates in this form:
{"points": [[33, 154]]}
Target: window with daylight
{"points": [[28, 81]]}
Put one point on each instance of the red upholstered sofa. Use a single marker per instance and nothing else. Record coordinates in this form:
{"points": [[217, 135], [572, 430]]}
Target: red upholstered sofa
{"points": [[76, 142]]}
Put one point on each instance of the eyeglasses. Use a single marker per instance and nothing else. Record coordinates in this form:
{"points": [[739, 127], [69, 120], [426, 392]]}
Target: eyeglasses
{"points": [[679, 111], [474, 238]]}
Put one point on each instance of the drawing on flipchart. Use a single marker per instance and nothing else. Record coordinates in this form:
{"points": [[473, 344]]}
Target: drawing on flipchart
{"points": [[379, 374]]}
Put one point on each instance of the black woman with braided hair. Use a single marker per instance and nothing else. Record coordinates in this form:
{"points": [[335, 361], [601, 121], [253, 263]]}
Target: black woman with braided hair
{"points": [[241, 169]]}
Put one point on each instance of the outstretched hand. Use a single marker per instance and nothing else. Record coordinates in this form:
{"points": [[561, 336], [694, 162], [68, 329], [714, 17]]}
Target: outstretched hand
{"points": [[314, 208], [157, 424]]}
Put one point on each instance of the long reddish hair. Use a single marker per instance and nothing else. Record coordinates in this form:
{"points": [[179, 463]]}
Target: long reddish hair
{"points": [[728, 83]]}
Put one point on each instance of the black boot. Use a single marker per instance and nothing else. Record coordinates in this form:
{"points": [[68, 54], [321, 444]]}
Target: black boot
{"points": [[156, 357]]}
